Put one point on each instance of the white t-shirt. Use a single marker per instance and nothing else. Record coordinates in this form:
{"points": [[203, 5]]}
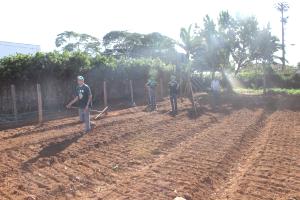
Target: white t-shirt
{"points": [[215, 85]]}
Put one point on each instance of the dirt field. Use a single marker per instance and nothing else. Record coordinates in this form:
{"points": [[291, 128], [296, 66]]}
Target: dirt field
{"points": [[248, 148]]}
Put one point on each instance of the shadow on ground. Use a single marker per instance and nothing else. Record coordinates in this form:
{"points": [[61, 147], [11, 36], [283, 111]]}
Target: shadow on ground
{"points": [[231, 102], [52, 149]]}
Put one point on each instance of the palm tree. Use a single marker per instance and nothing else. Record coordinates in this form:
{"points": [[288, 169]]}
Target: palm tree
{"points": [[186, 40], [188, 43]]}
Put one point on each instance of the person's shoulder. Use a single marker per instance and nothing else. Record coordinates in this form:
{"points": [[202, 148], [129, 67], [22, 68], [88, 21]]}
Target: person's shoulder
{"points": [[86, 86]]}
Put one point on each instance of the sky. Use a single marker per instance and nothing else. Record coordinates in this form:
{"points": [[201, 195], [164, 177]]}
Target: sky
{"points": [[39, 21]]}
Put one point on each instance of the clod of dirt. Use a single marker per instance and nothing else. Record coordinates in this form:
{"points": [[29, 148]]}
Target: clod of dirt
{"points": [[208, 181], [15, 192], [31, 197], [21, 187], [97, 145], [187, 197], [155, 152]]}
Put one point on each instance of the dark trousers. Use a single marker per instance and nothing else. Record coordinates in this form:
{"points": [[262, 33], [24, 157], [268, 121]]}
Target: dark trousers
{"points": [[152, 99], [173, 99]]}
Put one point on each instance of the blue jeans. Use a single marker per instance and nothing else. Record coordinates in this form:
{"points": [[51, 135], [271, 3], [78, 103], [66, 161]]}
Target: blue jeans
{"points": [[152, 99], [173, 99], [85, 117]]}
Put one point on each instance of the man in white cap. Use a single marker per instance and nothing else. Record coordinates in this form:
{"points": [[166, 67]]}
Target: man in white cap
{"points": [[216, 89], [84, 98]]}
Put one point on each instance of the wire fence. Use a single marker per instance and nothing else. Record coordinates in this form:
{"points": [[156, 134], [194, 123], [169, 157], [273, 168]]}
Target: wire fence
{"points": [[21, 108]]}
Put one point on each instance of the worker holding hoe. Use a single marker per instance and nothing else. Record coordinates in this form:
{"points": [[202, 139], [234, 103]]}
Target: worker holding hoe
{"points": [[173, 89], [84, 98], [151, 86]]}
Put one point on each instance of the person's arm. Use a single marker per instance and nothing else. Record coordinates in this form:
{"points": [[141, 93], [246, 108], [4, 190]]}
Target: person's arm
{"points": [[89, 99], [72, 102]]}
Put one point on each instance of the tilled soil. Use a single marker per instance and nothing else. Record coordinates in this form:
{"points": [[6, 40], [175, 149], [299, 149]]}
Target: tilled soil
{"points": [[247, 148]]}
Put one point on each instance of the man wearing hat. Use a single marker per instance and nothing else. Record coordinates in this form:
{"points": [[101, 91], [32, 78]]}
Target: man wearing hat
{"points": [[151, 85], [216, 89], [173, 89], [84, 98]]}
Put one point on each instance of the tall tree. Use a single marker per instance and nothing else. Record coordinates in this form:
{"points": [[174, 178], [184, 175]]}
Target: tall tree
{"points": [[72, 41], [282, 7], [189, 43], [214, 51], [244, 32], [139, 45], [264, 47], [113, 41], [226, 25]]}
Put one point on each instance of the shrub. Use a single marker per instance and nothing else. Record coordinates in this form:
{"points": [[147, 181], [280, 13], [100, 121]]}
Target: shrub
{"points": [[37, 67]]}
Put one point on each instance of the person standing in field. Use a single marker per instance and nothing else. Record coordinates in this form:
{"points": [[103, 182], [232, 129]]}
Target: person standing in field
{"points": [[216, 89], [84, 98], [173, 89], [151, 86]]}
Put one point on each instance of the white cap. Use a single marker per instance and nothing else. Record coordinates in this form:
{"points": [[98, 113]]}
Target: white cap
{"points": [[80, 78]]}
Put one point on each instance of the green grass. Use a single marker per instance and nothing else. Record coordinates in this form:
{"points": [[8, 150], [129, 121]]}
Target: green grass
{"points": [[286, 91], [272, 90], [248, 91]]}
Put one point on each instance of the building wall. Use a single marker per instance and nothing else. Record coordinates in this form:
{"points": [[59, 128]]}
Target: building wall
{"points": [[10, 48]]}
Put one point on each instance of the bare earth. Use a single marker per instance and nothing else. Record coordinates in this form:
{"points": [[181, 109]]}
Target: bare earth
{"points": [[248, 148]]}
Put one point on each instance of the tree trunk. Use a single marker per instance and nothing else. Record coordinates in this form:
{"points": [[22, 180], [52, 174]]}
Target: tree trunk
{"points": [[237, 70], [264, 80], [192, 94], [282, 40], [228, 85]]}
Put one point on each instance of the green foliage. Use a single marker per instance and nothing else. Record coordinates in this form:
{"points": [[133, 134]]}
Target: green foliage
{"points": [[189, 41], [72, 41], [65, 65], [270, 90], [252, 77], [130, 68], [232, 41], [136, 45]]}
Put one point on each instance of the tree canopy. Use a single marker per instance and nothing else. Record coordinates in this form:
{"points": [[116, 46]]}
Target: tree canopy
{"points": [[230, 44], [72, 41], [227, 44]]}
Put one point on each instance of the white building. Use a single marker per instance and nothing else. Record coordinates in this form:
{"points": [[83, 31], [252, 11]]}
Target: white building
{"points": [[11, 48]]}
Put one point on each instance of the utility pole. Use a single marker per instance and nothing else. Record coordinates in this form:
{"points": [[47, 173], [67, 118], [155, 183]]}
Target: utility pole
{"points": [[282, 7]]}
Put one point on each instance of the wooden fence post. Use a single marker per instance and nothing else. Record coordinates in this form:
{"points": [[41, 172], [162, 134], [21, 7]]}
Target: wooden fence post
{"points": [[40, 106], [14, 101], [131, 93], [161, 88], [105, 93]]}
